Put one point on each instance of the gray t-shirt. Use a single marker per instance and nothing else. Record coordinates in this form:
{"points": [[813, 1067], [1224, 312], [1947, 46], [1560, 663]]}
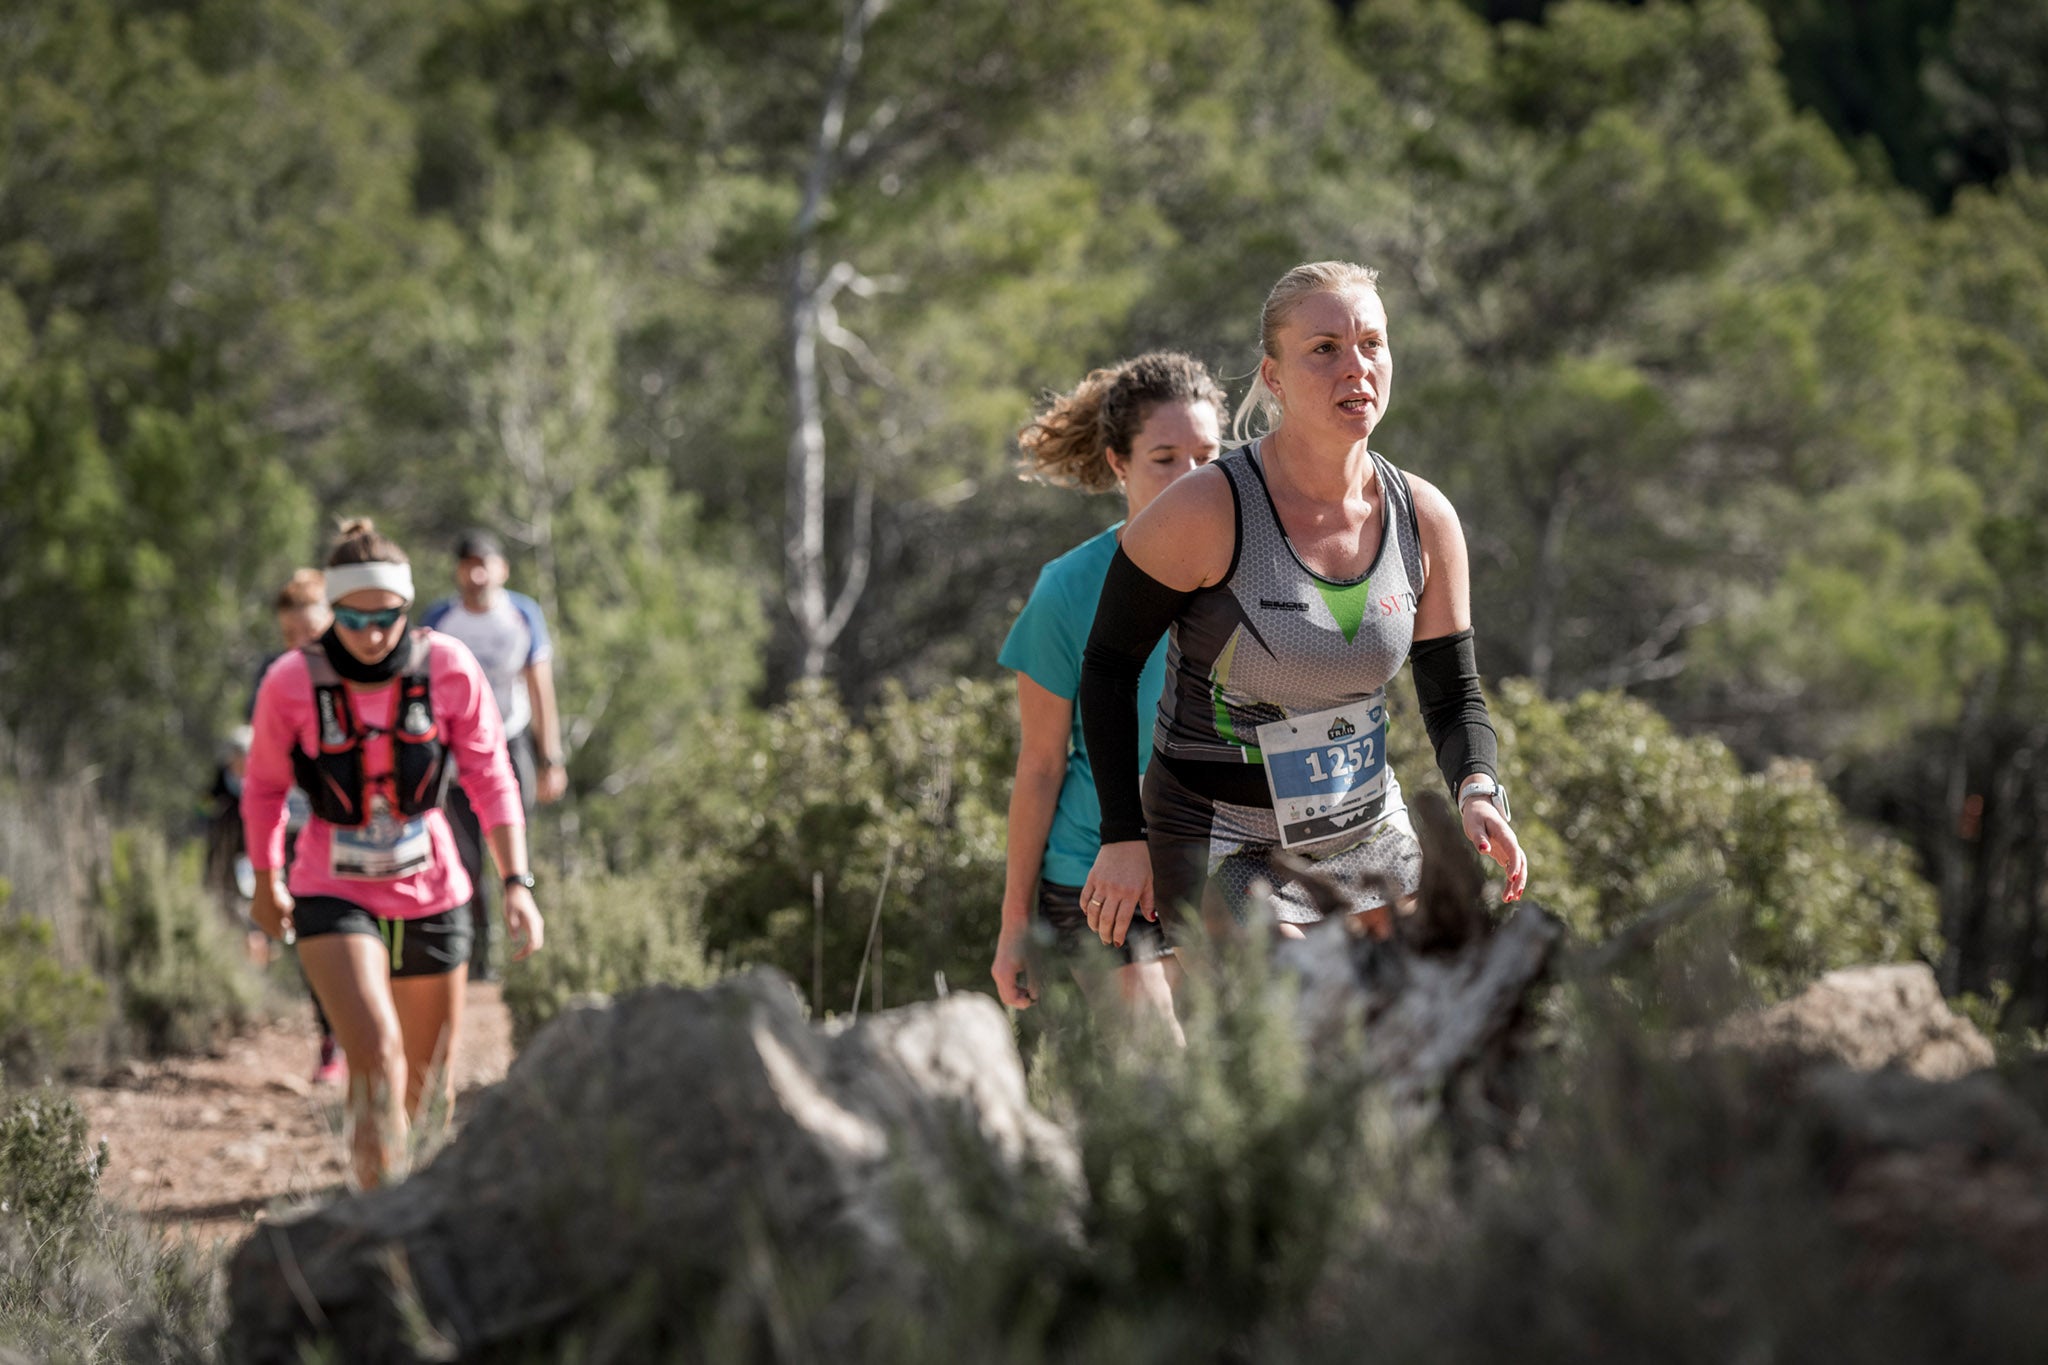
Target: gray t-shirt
{"points": [[508, 637]]}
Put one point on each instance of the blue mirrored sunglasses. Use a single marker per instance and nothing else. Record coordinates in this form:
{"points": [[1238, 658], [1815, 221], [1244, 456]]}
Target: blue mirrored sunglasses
{"points": [[348, 618]]}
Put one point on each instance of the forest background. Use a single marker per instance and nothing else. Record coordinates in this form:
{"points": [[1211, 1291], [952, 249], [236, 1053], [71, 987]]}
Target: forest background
{"points": [[1725, 325]]}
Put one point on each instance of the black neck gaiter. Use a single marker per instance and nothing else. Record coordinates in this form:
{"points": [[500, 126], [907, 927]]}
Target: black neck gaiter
{"points": [[355, 670]]}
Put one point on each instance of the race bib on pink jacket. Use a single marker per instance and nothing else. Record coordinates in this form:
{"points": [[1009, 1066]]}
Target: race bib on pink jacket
{"points": [[394, 868]]}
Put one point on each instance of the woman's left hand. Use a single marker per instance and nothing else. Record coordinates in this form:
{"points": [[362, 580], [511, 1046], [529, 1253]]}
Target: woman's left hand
{"points": [[522, 922], [1492, 835]]}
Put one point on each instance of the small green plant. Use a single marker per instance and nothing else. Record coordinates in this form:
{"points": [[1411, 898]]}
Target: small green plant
{"points": [[46, 1009], [605, 935], [175, 961], [47, 1179], [1990, 1013], [1221, 1177]]}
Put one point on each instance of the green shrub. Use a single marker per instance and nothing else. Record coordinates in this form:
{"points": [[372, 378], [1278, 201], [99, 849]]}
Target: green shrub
{"points": [[1619, 813], [175, 961], [906, 811], [78, 1280], [1819, 890], [46, 1179], [1222, 1178], [608, 934], [46, 1010]]}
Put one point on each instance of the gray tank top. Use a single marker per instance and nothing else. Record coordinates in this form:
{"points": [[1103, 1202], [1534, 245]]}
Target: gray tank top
{"points": [[1273, 639]]}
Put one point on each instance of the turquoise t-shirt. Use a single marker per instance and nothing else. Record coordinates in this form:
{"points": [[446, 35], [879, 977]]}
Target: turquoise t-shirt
{"points": [[1045, 645]]}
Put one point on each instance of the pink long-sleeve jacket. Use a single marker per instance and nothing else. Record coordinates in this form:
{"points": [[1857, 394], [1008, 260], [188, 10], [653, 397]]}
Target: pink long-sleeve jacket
{"points": [[467, 716]]}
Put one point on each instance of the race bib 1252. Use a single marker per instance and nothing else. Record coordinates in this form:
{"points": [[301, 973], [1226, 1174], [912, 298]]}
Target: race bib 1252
{"points": [[1327, 770]]}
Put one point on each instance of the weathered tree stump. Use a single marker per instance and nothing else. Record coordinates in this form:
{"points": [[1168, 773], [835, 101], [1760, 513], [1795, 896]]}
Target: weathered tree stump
{"points": [[1441, 1004]]}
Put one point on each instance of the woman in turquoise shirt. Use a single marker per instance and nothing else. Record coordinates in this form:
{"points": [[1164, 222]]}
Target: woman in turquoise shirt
{"points": [[1135, 428]]}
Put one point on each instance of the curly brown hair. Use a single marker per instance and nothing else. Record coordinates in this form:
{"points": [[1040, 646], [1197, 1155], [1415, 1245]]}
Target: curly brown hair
{"points": [[1067, 443]]}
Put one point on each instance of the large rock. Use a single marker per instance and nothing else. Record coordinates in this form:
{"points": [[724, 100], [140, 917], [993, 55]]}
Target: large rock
{"points": [[655, 1151], [1868, 1018]]}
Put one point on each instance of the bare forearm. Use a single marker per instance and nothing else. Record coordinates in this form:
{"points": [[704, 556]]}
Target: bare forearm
{"points": [[508, 849], [1033, 801], [547, 720]]}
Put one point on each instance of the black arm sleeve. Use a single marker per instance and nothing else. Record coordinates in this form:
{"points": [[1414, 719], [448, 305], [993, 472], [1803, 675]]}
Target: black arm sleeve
{"points": [[1134, 611], [1453, 708]]}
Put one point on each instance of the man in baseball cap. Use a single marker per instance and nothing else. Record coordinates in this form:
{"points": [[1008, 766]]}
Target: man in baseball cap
{"points": [[509, 636]]}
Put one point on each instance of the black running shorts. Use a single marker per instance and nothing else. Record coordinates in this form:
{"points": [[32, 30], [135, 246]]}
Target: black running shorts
{"points": [[427, 946], [1062, 927]]}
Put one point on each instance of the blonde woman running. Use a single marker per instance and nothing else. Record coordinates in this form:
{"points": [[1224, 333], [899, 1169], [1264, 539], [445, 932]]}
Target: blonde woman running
{"points": [[1297, 574]]}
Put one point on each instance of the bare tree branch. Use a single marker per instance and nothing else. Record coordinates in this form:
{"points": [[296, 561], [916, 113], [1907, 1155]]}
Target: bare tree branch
{"points": [[1648, 661], [844, 277], [812, 317], [857, 560]]}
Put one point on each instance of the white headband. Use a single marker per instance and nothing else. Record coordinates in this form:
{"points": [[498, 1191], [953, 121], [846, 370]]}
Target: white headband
{"points": [[343, 579]]}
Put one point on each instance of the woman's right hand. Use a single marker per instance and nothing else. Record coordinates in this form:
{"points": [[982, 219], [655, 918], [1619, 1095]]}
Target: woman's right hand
{"points": [[272, 905], [1012, 968], [523, 927], [1118, 889]]}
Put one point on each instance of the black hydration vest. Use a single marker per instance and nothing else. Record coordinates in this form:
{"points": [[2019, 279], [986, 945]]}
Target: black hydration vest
{"points": [[333, 778]]}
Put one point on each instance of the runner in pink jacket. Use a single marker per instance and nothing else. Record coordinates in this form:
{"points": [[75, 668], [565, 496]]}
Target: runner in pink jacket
{"points": [[370, 721], [468, 717]]}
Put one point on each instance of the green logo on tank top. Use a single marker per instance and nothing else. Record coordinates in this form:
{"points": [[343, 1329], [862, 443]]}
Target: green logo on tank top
{"points": [[1219, 676], [1347, 604]]}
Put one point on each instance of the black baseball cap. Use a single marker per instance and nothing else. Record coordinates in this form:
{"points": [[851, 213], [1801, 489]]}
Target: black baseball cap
{"points": [[478, 544]]}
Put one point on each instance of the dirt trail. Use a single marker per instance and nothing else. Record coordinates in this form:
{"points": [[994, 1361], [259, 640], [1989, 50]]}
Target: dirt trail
{"points": [[202, 1146]]}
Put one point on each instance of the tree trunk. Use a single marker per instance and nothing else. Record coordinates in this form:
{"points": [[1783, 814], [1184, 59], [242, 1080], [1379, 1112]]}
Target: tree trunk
{"points": [[819, 622]]}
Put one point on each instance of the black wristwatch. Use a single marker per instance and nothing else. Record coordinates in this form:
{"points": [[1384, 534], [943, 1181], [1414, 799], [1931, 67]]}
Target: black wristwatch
{"points": [[524, 879]]}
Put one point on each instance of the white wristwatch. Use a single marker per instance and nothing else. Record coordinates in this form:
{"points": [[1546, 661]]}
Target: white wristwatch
{"points": [[1486, 789]]}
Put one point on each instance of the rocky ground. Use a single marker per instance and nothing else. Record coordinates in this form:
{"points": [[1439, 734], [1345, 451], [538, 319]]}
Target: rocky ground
{"points": [[204, 1146]]}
